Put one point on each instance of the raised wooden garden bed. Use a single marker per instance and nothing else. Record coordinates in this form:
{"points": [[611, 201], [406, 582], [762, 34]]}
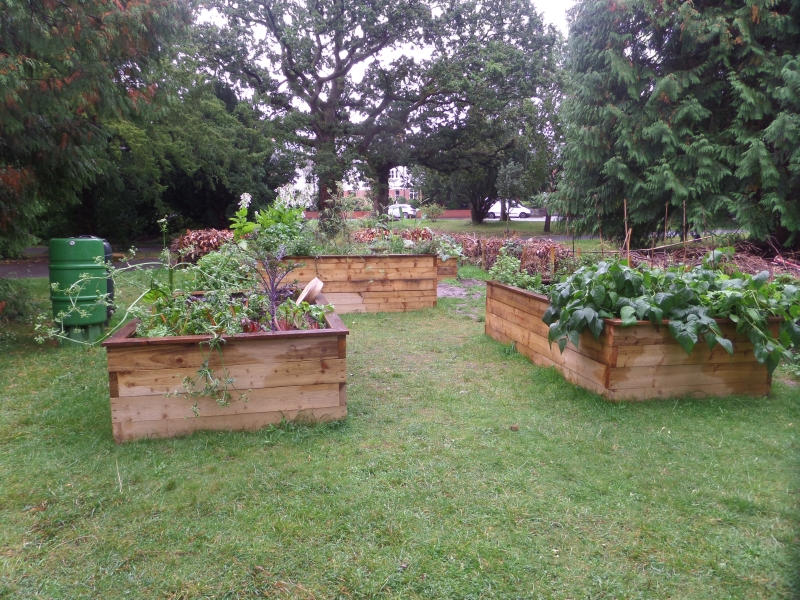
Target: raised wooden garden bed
{"points": [[626, 363], [377, 283], [292, 375]]}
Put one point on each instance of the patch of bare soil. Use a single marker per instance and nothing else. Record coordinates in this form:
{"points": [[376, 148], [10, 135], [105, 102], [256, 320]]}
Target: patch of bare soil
{"points": [[462, 290]]}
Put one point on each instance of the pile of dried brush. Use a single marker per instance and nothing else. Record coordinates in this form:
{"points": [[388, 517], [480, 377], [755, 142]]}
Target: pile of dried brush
{"points": [[747, 257], [194, 245], [416, 234], [536, 255], [370, 234]]}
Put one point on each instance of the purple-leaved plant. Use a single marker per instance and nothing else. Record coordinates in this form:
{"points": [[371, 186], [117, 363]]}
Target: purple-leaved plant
{"points": [[272, 270]]}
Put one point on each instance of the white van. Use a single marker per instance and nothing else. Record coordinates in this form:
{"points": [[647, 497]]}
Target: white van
{"points": [[401, 211], [515, 211]]}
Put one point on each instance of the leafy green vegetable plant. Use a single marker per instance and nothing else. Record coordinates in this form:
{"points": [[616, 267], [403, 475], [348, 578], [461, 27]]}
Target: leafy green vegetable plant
{"points": [[443, 246], [226, 268], [690, 300], [276, 226], [507, 269]]}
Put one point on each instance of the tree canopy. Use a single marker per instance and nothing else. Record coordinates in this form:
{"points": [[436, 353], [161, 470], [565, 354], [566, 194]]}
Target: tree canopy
{"points": [[675, 104], [65, 67], [191, 161], [352, 76]]}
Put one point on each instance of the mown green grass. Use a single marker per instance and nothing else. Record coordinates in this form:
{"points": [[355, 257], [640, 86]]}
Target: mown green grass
{"points": [[486, 228], [462, 471]]}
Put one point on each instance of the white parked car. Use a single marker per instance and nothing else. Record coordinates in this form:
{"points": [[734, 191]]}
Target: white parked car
{"points": [[515, 211], [400, 211]]}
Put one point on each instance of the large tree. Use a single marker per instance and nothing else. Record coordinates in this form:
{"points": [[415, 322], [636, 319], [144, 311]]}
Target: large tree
{"points": [[543, 144], [192, 160], [683, 104], [353, 74], [65, 67], [462, 162]]}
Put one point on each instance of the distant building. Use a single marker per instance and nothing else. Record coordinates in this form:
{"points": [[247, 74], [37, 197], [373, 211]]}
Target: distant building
{"points": [[399, 190], [399, 186]]}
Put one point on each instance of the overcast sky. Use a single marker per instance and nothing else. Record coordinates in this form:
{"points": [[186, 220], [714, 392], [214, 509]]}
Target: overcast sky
{"points": [[553, 11]]}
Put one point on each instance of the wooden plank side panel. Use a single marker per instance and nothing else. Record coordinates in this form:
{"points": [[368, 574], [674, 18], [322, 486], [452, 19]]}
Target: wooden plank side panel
{"points": [[346, 309], [400, 306], [644, 333], [694, 391], [406, 261], [668, 377], [574, 377], [509, 312], [528, 302], [588, 346], [539, 359], [570, 360], [246, 377], [157, 407], [515, 332], [654, 355], [234, 352], [496, 334], [133, 430], [447, 268], [337, 298], [113, 385], [393, 285], [365, 276], [400, 295]]}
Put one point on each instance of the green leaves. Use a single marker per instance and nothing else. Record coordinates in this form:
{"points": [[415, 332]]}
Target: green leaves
{"points": [[685, 334], [691, 300], [706, 120], [507, 269], [628, 315], [759, 280], [154, 294], [598, 295]]}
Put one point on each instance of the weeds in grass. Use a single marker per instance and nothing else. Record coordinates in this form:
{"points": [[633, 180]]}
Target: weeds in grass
{"points": [[510, 349]]}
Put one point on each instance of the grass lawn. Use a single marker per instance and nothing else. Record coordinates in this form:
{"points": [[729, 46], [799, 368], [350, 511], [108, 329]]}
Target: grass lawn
{"points": [[487, 228], [462, 471]]}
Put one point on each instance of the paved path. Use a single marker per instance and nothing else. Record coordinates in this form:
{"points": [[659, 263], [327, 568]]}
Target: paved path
{"points": [[36, 264]]}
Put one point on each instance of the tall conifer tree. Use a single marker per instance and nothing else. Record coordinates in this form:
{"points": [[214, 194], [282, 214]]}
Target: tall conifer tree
{"points": [[675, 104], [66, 67]]}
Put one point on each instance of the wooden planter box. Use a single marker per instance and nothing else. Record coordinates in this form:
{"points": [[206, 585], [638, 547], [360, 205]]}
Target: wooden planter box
{"points": [[292, 375], [377, 283], [626, 363]]}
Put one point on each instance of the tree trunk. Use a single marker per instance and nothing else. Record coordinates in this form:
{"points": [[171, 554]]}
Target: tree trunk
{"points": [[504, 210], [327, 187], [477, 215], [328, 170], [547, 222], [380, 198]]}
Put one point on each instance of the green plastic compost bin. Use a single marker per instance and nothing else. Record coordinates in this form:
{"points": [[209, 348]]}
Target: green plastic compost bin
{"points": [[81, 311]]}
